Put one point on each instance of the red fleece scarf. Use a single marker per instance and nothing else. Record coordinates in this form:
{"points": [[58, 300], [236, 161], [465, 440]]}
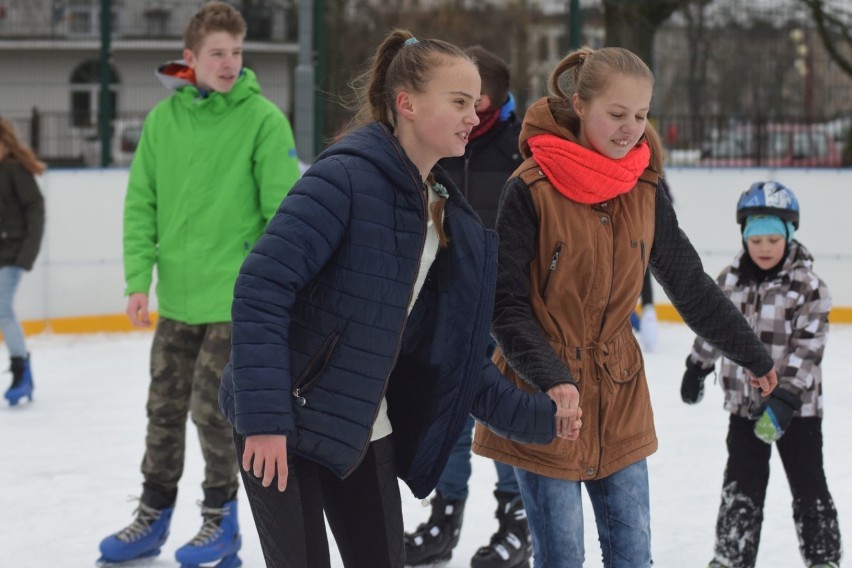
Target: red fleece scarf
{"points": [[583, 175], [487, 120]]}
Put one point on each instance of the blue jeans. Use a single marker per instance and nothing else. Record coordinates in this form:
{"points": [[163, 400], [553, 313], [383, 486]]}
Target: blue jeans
{"points": [[10, 276], [453, 482], [622, 514]]}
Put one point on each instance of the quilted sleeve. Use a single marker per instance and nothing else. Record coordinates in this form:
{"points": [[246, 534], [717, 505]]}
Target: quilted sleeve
{"points": [[509, 412], [699, 300], [514, 325]]}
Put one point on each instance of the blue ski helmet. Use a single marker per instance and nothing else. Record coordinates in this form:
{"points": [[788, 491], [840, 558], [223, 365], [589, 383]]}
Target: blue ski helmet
{"points": [[768, 198]]}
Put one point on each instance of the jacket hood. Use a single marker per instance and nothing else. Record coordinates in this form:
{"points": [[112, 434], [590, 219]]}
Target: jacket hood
{"points": [[541, 118], [178, 76], [175, 74]]}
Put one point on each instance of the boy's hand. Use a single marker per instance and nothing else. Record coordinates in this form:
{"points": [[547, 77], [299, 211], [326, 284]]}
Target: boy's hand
{"points": [[692, 384], [568, 412], [137, 310], [265, 457], [776, 414]]}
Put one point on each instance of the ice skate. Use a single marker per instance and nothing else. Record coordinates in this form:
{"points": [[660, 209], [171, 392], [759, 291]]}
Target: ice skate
{"points": [[511, 545], [218, 541], [433, 542], [142, 538], [22, 381]]}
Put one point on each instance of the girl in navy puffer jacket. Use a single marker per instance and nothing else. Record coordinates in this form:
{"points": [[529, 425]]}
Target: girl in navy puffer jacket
{"points": [[361, 325]]}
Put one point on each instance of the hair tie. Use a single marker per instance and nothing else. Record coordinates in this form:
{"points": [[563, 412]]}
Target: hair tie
{"points": [[410, 41]]}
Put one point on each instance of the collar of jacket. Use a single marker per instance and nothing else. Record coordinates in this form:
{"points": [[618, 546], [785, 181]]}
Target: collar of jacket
{"points": [[245, 87]]}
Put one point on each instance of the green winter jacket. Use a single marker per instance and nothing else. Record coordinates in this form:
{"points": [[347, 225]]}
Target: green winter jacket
{"points": [[208, 174]]}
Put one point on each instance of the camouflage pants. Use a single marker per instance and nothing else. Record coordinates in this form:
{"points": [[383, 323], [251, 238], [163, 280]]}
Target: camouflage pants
{"points": [[186, 365]]}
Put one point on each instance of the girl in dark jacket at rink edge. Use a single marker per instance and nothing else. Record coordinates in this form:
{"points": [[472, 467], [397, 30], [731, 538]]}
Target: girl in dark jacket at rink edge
{"points": [[580, 222], [361, 325], [21, 229]]}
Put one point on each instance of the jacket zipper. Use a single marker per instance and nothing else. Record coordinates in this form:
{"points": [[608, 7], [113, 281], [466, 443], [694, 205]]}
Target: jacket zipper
{"points": [[554, 260], [314, 369], [418, 184]]}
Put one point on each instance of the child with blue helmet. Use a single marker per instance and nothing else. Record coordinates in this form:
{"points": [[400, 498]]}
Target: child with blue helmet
{"points": [[787, 304]]}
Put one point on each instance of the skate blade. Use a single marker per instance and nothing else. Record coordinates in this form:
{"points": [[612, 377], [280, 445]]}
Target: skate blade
{"points": [[436, 563], [144, 560], [232, 561]]}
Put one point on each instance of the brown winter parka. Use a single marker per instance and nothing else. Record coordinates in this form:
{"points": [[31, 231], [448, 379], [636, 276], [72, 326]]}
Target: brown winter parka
{"points": [[569, 276]]}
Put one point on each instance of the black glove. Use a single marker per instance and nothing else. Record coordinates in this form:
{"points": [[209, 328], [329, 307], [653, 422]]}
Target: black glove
{"points": [[775, 414], [692, 385]]}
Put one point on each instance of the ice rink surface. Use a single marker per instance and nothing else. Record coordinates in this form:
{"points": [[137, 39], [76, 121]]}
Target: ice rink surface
{"points": [[70, 460]]}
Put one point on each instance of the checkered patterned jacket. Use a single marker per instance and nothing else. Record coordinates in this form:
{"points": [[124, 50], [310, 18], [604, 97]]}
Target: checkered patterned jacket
{"points": [[790, 315]]}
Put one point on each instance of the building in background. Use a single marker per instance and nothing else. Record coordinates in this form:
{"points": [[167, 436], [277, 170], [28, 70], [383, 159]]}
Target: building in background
{"points": [[50, 57]]}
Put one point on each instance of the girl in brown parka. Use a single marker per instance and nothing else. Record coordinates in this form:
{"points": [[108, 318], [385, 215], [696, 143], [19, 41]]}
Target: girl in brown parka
{"points": [[579, 223]]}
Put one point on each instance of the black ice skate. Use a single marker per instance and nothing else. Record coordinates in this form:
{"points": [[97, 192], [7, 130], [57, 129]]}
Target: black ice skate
{"points": [[511, 545], [433, 541]]}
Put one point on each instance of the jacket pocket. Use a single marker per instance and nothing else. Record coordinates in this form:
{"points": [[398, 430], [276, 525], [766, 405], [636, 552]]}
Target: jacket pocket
{"points": [[624, 362], [314, 369], [554, 261]]}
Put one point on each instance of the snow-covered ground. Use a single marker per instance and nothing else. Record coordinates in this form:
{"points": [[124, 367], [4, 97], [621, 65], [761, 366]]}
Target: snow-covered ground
{"points": [[69, 461]]}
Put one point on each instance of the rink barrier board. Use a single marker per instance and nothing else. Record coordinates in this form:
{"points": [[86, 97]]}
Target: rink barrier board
{"points": [[119, 322]]}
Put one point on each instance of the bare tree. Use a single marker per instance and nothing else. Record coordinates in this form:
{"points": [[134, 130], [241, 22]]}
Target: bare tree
{"points": [[834, 31], [353, 29], [632, 24]]}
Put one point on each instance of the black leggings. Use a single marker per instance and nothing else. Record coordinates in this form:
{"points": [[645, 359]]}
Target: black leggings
{"points": [[364, 512]]}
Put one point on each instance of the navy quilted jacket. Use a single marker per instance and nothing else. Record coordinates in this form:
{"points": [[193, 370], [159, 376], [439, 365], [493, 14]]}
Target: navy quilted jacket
{"points": [[321, 331]]}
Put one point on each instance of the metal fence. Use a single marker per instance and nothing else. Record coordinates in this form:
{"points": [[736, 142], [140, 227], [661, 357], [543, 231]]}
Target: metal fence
{"points": [[710, 141]]}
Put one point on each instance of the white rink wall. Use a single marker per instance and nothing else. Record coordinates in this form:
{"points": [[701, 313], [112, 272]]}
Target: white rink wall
{"points": [[79, 270]]}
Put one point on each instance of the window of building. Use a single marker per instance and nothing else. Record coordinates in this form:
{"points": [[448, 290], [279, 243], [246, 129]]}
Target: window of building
{"points": [[85, 93], [83, 17]]}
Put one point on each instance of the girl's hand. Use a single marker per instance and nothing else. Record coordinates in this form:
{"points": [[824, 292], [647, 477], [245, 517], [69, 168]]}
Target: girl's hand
{"points": [[568, 411], [265, 456], [766, 383]]}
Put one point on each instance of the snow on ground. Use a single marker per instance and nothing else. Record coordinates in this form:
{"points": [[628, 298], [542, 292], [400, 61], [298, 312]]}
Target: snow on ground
{"points": [[69, 461]]}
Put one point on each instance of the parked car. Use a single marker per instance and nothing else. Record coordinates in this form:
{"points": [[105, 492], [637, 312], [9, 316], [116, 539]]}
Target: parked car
{"points": [[773, 145], [126, 134]]}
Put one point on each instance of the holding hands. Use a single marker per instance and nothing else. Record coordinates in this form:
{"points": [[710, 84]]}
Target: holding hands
{"points": [[568, 411]]}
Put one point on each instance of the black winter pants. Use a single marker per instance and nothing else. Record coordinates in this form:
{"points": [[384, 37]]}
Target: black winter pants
{"points": [[744, 492], [364, 512]]}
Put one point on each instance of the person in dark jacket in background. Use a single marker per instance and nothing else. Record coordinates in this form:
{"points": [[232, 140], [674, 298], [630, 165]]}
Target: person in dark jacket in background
{"points": [[21, 229], [361, 324], [579, 223], [492, 154]]}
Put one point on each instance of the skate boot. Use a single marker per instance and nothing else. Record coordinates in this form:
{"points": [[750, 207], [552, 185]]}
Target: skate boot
{"points": [[22, 381], [434, 540], [511, 545], [140, 539], [218, 540]]}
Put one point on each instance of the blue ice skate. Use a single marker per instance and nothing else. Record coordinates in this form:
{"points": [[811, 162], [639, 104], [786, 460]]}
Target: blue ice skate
{"points": [[218, 540], [22, 381], [140, 539]]}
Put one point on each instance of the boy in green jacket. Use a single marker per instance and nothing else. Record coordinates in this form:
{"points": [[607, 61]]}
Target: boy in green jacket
{"points": [[214, 162]]}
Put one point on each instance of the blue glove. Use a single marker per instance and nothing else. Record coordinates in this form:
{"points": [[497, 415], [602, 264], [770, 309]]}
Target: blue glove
{"points": [[692, 385], [776, 414]]}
